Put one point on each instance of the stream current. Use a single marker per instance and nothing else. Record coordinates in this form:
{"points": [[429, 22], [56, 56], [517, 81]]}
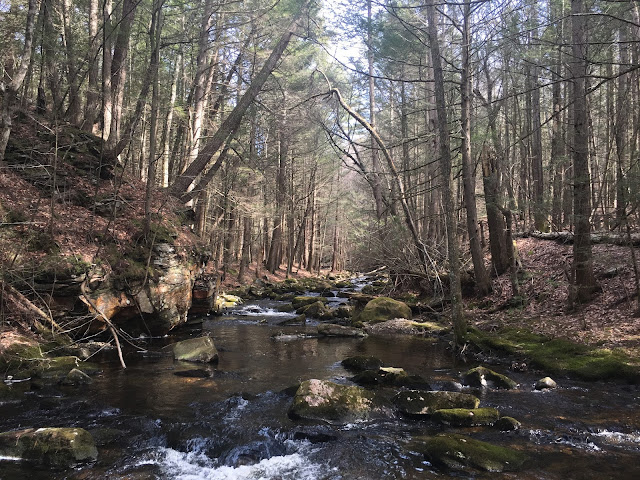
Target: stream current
{"points": [[230, 421]]}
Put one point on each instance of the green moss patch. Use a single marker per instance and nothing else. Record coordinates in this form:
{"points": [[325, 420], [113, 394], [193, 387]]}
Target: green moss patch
{"points": [[560, 356]]}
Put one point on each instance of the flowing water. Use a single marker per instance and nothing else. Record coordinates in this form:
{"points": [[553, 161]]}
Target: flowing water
{"points": [[231, 422]]}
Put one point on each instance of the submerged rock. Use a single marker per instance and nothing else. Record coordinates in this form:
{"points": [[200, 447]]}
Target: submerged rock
{"points": [[199, 349], [459, 452], [51, 447], [382, 309], [331, 402], [333, 330], [545, 383], [391, 377], [466, 417], [76, 377], [421, 402], [483, 377], [361, 362]]}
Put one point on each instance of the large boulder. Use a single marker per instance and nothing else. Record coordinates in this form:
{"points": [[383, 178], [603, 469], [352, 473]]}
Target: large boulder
{"points": [[458, 452], [481, 377], [50, 447], [421, 402], [466, 417], [331, 402], [200, 349], [382, 309]]}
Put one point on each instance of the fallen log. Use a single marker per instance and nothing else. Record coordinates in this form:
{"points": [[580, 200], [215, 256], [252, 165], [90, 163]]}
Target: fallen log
{"points": [[596, 237]]}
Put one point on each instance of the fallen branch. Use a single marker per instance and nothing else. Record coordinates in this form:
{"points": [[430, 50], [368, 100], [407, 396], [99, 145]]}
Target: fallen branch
{"points": [[29, 305], [596, 237], [85, 298]]}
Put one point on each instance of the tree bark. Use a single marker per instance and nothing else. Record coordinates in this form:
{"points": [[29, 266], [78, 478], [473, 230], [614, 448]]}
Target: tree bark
{"points": [[585, 284], [483, 282], [9, 91], [457, 317]]}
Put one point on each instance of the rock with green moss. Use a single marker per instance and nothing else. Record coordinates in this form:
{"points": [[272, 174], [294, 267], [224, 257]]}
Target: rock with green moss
{"points": [[344, 311], [301, 301], [333, 330], [483, 377], [286, 308], [422, 402], [56, 369], [200, 349], [507, 424], [50, 447], [330, 402], [8, 394], [466, 417], [382, 309], [360, 363], [459, 452], [316, 309]]}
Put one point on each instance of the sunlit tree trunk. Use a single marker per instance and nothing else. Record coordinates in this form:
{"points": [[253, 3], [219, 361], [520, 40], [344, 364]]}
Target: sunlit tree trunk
{"points": [[457, 317]]}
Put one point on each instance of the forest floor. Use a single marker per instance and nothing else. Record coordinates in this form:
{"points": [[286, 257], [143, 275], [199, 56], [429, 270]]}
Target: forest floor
{"points": [[610, 320]]}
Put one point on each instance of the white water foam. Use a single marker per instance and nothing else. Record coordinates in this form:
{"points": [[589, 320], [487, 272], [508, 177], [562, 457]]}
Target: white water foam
{"points": [[618, 438], [253, 311], [197, 466]]}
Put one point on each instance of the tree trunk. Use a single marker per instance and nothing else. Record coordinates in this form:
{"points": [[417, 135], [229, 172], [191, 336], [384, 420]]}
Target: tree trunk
{"points": [[621, 126], [93, 96], [9, 92], [457, 317], [585, 284], [181, 185], [375, 162], [483, 282]]}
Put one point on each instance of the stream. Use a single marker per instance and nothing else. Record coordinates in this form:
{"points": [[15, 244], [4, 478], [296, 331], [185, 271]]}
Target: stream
{"points": [[231, 422]]}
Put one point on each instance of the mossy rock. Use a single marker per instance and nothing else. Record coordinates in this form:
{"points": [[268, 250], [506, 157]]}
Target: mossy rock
{"points": [[8, 394], [343, 284], [360, 363], [200, 349], [333, 330], [421, 402], [466, 417], [316, 309], [484, 377], [391, 377], [382, 309], [286, 308], [50, 447], [23, 353], [330, 402], [459, 452], [507, 424], [344, 311], [56, 369], [301, 301]]}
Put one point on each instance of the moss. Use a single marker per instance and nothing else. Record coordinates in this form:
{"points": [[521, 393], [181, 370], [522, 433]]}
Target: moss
{"points": [[328, 401], [458, 451], [383, 308], [560, 356], [482, 376], [361, 362], [466, 417], [301, 301]]}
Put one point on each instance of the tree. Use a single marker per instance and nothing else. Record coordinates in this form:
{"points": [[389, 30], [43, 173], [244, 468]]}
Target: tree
{"points": [[585, 284]]}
